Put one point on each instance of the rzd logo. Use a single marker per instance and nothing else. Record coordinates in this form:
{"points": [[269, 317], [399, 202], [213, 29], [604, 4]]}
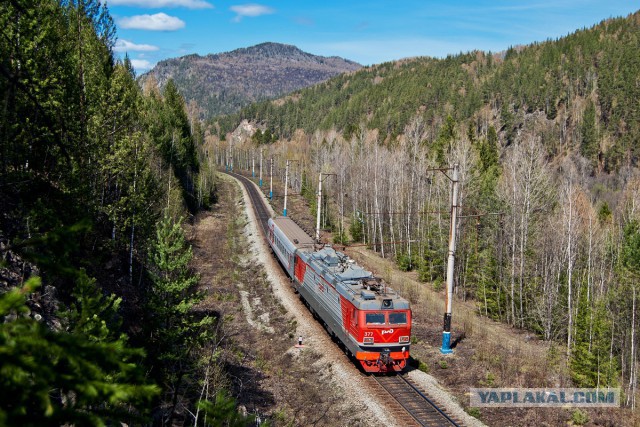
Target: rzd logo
{"points": [[390, 331]]}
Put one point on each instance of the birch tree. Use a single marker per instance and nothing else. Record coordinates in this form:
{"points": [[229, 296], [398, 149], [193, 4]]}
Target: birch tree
{"points": [[525, 189]]}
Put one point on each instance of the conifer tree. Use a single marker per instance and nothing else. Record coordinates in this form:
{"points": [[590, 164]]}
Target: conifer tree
{"points": [[60, 378], [91, 314], [174, 330], [589, 143], [591, 364]]}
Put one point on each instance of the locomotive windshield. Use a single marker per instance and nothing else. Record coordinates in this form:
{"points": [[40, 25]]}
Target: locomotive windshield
{"points": [[397, 318], [375, 319]]}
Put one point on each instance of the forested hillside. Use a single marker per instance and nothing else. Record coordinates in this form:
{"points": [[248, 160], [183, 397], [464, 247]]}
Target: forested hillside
{"points": [[581, 90], [225, 82], [546, 138], [96, 292]]}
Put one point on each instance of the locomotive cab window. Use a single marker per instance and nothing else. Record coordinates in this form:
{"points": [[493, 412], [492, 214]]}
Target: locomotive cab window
{"points": [[375, 318], [397, 318]]}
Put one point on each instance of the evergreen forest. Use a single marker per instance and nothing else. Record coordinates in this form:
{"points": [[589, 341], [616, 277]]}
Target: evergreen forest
{"points": [[96, 180]]}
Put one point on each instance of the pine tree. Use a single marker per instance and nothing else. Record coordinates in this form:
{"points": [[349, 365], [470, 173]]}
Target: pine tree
{"points": [[170, 130], [446, 137], [356, 228], [589, 143], [591, 364], [60, 378], [489, 155], [91, 314], [630, 256], [174, 330], [223, 412], [172, 293]]}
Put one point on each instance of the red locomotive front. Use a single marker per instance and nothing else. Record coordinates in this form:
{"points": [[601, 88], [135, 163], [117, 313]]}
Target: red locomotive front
{"points": [[384, 339]]}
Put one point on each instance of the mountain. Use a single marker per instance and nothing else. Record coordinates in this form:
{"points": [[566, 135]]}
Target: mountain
{"points": [[578, 92], [225, 82]]}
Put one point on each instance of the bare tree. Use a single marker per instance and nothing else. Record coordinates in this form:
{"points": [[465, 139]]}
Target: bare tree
{"points": [[525, 188]]}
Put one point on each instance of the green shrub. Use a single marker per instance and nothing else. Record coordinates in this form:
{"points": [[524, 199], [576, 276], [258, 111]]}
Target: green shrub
{"points": [[579, 417], [474, 412]]}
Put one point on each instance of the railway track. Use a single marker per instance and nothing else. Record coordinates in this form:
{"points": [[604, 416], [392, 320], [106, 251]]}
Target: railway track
{"points": [[259, 207], [414, 402], [412, 406]]}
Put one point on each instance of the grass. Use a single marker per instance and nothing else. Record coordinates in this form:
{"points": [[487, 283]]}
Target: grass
{"points": [[579, 417], [474, 412]]}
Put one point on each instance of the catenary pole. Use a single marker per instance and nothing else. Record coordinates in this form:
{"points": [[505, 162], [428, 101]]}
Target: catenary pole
{"points": [[260, 181], [446, 334], [318, 208], [286, 179]]}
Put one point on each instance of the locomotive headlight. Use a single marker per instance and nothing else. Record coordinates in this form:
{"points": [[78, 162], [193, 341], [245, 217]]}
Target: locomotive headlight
{"points": [[368, 340], [404, 339]]}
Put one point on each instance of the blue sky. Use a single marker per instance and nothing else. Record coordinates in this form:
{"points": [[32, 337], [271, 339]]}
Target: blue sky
{"points": [[368, 32]]}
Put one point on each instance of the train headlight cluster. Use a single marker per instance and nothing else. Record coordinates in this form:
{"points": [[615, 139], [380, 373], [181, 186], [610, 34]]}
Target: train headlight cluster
{"points": [[404, 339], [368, 340]]}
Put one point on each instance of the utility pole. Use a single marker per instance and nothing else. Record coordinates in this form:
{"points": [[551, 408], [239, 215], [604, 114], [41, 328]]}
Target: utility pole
{"points": [[318, 208], [271, 181], [260, 181], [286, 178], [230, 163], [446, 333]]}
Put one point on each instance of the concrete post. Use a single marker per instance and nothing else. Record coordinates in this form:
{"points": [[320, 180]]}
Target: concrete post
{"points": [[286, 181], [318, 208], [446, 334], [271, 181]]}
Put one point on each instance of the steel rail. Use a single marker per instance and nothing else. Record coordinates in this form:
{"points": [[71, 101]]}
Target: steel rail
{"points": [[262, 214], [412, 400]]}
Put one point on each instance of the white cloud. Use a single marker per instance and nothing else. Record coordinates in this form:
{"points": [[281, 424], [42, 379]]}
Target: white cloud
{"points": [[252, 10], [189, 4], [141, 64], [157, 22], [127, 46]]}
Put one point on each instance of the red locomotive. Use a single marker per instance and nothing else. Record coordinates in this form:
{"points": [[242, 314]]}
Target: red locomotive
{"points": [[369, 318]]}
